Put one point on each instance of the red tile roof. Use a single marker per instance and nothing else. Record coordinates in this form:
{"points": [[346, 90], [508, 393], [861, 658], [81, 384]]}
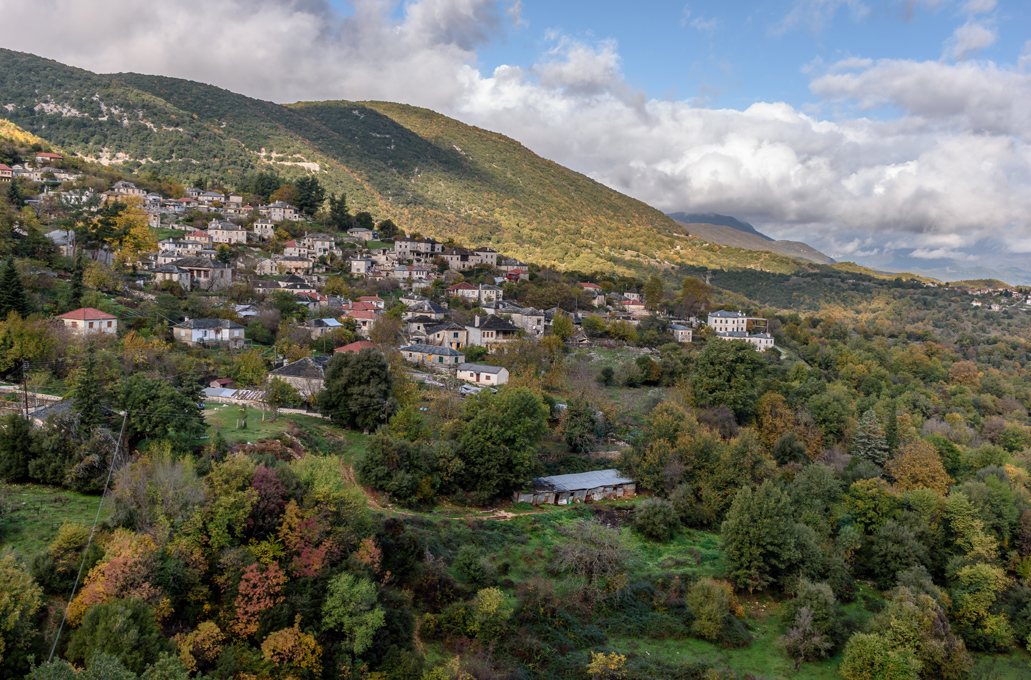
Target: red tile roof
{"points": [[362, 314], [355, 346], [48, 155], [464, 285], [86, 314]]}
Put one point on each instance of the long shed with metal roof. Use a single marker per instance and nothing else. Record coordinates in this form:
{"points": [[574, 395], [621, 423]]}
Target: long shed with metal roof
{"points": [[578, 488]]}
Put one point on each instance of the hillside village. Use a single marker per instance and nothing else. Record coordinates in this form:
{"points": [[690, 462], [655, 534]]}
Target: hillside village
{"points": [[441, 301]]}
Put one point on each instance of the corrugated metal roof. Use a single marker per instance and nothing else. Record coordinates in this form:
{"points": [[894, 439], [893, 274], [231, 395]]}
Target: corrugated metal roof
{"points": [[581, 480]]}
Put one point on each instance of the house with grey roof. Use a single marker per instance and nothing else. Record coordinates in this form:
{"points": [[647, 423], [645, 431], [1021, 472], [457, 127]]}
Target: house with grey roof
{"points": [[491, 331], [481, 374], [208, 332], [433, 356], [306, 375]]}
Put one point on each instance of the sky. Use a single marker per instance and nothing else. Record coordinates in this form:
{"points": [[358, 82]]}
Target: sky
{"points": [[862, 127]]}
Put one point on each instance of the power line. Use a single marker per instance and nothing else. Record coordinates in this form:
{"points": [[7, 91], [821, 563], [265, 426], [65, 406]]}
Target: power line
{"points": [[89, 542]]}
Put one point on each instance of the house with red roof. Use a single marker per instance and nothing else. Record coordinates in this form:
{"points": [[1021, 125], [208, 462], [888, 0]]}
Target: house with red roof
{"points": [[6, 174], [356, 346], [89, 320], [374, 300], [47, 157], [365, 320]]}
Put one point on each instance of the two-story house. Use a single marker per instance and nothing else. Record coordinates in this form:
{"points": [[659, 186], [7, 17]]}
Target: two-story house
{"points": [[206, 332]]}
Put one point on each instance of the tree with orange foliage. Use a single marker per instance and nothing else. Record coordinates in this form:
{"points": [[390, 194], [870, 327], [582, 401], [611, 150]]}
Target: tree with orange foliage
{"points": [[260, 589], [919, 465], [965, 373], [129, 561]]}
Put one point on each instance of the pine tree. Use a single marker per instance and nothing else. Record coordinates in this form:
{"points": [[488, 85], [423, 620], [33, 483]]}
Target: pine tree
{"points": [[86, 394], [77, 287], [12, 292], [339, 217], [869, 440], [14, 195]]}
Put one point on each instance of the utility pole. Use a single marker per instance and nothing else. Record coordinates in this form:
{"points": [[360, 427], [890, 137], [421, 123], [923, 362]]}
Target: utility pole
{"points": [[25, 384]]}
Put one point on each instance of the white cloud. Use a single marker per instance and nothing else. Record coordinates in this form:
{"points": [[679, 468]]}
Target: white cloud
{"points": [[816, 14], [949, 168], [974, 7], [971, 37]]}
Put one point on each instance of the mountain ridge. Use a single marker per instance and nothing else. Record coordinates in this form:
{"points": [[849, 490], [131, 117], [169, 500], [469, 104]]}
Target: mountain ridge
{"points": [[431, 174]]}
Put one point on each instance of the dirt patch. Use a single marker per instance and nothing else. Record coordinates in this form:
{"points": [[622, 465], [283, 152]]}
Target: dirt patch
{"points": [[613, 517]]}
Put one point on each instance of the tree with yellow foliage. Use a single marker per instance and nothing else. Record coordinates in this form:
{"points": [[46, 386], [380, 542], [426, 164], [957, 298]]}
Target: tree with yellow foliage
{"points": [[919, 465], [133, 236]]}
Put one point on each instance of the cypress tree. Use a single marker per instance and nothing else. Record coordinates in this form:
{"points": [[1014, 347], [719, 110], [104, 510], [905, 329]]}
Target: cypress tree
{"points": [[891, 432], [87, 392], [869, 440], [12, 292]]}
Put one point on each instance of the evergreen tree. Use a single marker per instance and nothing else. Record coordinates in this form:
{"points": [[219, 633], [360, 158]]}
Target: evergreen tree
{"points": [[759, 537], [86, 394], [869, 441], [891, 432], [12, 292], [338, 215], [310, 195], [76, 286], [15, 448], [580, 425], [14, 195]]}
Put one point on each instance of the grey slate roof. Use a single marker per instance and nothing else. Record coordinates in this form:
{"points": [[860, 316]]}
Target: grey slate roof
{"points": [[496, 323], [581, 480], [304, 368], [199, 263], [208, 323], [480, 368], [728, 315], [432, 349]]}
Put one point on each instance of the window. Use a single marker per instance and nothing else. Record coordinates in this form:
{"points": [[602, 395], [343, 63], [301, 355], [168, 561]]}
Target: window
{"points": [[109, 324], [91, 324]]}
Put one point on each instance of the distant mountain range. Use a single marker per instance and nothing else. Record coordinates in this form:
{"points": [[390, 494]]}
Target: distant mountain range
{"points": [[730, 231], [427, 172]]}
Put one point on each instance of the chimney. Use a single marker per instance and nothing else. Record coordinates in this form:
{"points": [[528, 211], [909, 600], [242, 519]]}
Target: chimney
{"points": [[476, 322]]}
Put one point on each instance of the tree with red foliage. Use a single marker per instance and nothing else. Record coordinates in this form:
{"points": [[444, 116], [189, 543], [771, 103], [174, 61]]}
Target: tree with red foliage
{"points": [[269, 503], [259, 590]]}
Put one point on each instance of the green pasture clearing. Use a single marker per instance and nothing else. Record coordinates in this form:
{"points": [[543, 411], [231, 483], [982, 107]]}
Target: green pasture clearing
{"points": [[32, 514]]}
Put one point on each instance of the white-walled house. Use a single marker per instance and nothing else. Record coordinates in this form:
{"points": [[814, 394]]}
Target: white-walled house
{"points": [[200, 332], [89, 320], [481, 374]]}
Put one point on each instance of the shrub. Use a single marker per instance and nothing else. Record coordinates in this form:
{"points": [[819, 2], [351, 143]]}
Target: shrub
{"points": [[872, 657], [472, 568], [714, 605], [593, 551], [657, 519]]}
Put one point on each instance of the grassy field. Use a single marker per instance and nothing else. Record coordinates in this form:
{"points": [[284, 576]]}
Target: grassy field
{"points": [[318, 435], [34, 513]]}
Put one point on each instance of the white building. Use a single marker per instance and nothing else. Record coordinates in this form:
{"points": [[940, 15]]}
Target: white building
{"points": [[480, 374], [89, 320]]}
